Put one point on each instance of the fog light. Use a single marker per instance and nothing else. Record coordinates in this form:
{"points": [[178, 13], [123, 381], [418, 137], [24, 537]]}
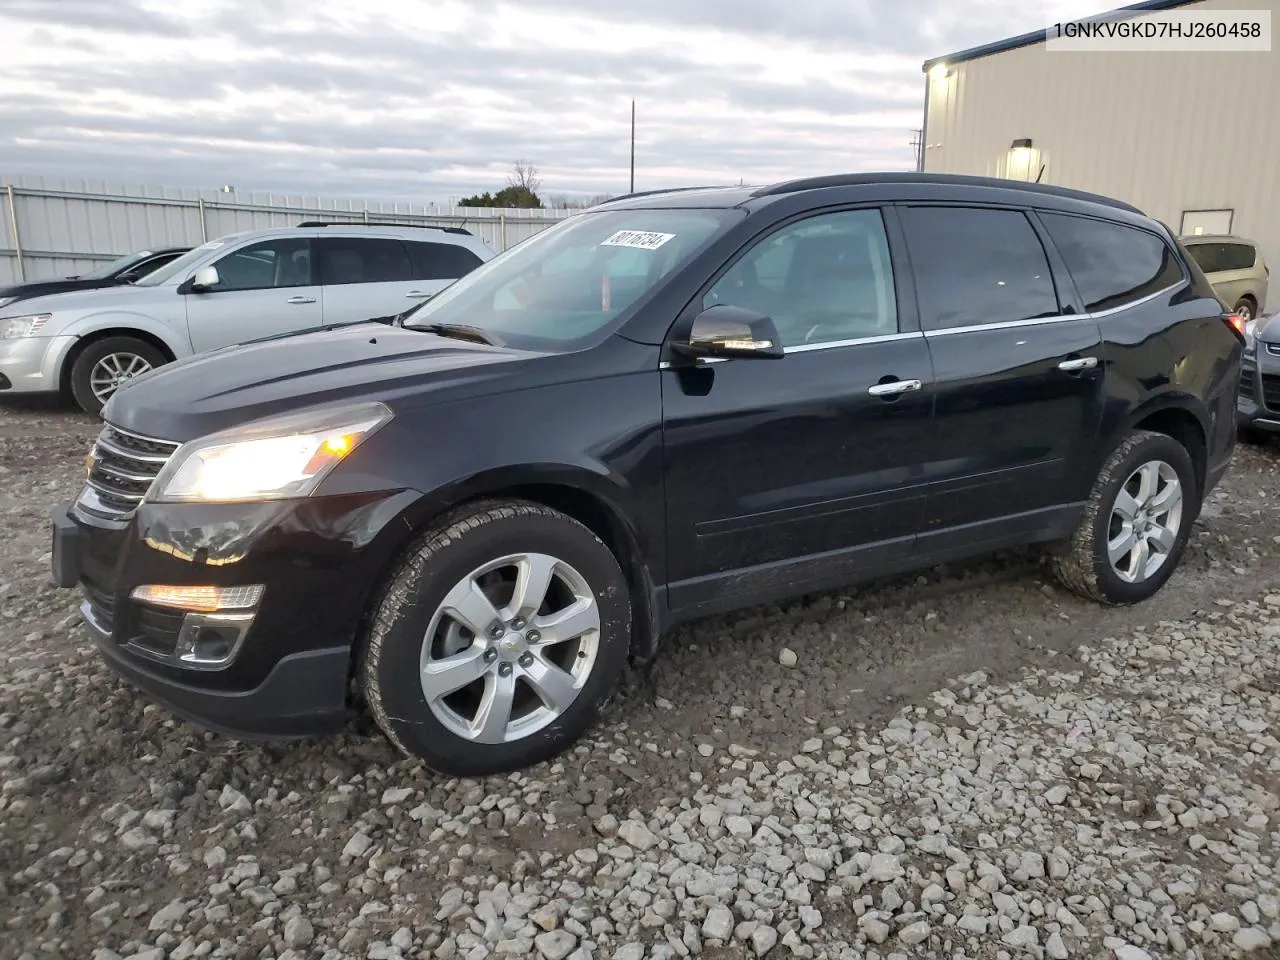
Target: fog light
{"points": [[202, 599]]}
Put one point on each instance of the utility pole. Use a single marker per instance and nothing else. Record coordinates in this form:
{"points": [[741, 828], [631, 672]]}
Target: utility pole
{"points": [[633, 147], [918, 142]]}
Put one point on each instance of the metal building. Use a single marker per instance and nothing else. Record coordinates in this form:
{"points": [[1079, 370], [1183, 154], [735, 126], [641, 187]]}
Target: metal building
{"points": [[1191, 138]]}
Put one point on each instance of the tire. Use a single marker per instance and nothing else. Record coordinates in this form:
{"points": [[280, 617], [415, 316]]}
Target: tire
{"points": [[411, 631], [1084, 567], [126, 354], [1246, 307], [1251, 436]]}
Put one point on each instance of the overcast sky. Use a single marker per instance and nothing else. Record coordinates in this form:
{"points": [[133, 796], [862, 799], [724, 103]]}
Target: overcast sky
{"points": [[432, 99]]}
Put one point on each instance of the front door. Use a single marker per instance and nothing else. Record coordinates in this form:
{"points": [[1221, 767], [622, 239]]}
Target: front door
{"points": [[1019, 381], [263, 289], [805, 470]]}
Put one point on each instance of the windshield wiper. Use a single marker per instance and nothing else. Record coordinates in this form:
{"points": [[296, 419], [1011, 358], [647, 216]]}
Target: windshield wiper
{"points": [[462, 331]]}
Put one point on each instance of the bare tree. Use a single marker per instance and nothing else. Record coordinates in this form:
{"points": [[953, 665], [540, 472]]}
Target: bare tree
{"points": [[525, 177]]}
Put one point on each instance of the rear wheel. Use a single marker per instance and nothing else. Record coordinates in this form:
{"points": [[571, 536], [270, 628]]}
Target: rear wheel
{"points": [[101, 367], [498, 641], [1245, 307], [1137, 522]]}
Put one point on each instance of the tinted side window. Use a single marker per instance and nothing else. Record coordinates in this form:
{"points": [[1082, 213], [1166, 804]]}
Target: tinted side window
{"points": [[284, 262], [1206, 255], [362, 260], [1112, 264], [978, 267], [1237, 256], [822, 279], [441, 261]]}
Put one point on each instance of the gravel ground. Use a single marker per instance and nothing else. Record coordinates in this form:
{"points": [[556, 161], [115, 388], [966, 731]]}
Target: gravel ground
{"points": [[964, 764]]}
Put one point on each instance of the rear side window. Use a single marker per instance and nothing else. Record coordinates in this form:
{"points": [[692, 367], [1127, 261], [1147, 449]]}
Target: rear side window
{"points": [[1236, 256], [977, 267], [362, 260], [1112, 264], [441, 261]]}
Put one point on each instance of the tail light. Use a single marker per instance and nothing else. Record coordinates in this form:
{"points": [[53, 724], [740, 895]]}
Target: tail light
{"points": [[1236, 323]]}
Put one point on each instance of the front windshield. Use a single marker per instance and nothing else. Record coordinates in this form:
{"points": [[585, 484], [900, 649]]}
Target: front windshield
{"points": [[569, 281], [115, 266], [174, 267]]}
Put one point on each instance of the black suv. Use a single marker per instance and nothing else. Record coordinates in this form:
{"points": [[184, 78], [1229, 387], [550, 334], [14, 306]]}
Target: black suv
{"points": [[466, 520]]}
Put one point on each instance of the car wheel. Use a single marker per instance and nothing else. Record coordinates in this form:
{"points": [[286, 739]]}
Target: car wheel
{"points": [[1246, 308], [1251, 436], [498, 641], [1136, 524], [101, 367]]}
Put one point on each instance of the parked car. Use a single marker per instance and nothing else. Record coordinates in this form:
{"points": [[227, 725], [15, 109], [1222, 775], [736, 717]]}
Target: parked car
{"points": [[1258, 402], [236, 288], [125, 269], [671, 405], [1236, 269]]}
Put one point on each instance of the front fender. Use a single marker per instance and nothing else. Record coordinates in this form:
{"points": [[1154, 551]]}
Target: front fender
{"points": [[172, 335]]}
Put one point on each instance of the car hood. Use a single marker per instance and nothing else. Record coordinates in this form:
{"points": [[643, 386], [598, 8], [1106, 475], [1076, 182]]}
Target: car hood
{"points": [[121, 297], [40, 288], [1267, 328], [223, 388]]}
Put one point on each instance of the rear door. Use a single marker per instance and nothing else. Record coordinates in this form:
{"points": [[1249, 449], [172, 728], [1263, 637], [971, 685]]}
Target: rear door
{"points": [[264, 288], [434, 266], [362, 277], [1019, 381], [806, 469]]}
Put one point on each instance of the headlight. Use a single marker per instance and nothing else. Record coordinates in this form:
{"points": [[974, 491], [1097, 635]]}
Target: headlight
{"points": [[272, 459], [16, 327], [1250, 335]]}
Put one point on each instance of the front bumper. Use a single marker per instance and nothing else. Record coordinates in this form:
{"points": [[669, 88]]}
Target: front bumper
{"points": [[1258, 402], [33, 364], [288, 676]]}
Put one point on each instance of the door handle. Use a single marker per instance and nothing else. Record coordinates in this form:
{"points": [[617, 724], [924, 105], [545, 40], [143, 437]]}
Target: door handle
{"points": [[1078, 364], [418, 295], [301, 300], [894, 388]]}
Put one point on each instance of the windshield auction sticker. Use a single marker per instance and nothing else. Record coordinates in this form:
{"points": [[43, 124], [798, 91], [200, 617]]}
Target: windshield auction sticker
{"points": [[640, 239]]}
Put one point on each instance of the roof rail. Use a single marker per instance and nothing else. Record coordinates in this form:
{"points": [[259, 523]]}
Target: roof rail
{"points": [[651, 193], [998, 183], [383, 223]]}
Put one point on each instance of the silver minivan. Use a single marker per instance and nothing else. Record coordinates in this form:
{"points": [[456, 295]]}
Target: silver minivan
{"points": [[243, 286]]}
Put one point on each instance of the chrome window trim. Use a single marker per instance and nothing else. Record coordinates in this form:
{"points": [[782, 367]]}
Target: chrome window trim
{"points": [[1038, 321]]}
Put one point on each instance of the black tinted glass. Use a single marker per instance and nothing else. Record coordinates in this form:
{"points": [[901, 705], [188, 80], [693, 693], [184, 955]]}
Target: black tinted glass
{"points": [[1112, 264], [977, 267]]}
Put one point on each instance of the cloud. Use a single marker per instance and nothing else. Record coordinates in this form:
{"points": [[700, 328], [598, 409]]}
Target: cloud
{"points": [[430, 100]]}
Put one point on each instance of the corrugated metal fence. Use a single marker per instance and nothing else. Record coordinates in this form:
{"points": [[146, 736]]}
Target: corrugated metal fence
{"points": [[56, 228]]}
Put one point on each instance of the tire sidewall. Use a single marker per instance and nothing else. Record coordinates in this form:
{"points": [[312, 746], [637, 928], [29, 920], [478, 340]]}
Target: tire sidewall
{"points": [[1155, 447], [415, 594], [88, 358]]}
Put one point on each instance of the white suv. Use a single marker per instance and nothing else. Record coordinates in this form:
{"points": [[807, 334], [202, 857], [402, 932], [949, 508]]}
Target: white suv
{"points": [[243, 286]]}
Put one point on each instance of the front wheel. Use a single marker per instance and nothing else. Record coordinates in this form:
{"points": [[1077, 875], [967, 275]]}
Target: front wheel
{"points": [[1136, 524], [498, 641], [101, 367]]}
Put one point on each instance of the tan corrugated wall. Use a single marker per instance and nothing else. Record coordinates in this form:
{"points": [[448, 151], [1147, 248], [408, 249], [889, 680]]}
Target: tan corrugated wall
{"points": [[1167, 132]]}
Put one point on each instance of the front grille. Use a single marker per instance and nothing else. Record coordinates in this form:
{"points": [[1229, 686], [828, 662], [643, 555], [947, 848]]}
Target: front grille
{"points": [[1273, 349], [121, 469], [1271, 391]]}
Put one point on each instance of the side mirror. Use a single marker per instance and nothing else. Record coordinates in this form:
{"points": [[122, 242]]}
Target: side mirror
{"points": [[728, 331], [127, 277], [205, 279]]}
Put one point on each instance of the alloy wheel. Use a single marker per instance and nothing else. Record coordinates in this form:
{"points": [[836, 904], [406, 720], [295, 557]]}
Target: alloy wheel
{"points": [[1145, 520], [510, 647], [114, 369]]}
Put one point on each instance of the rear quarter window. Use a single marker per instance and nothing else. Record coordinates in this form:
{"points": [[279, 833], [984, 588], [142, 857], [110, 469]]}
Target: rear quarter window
{"points": [[1112, 264]]}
